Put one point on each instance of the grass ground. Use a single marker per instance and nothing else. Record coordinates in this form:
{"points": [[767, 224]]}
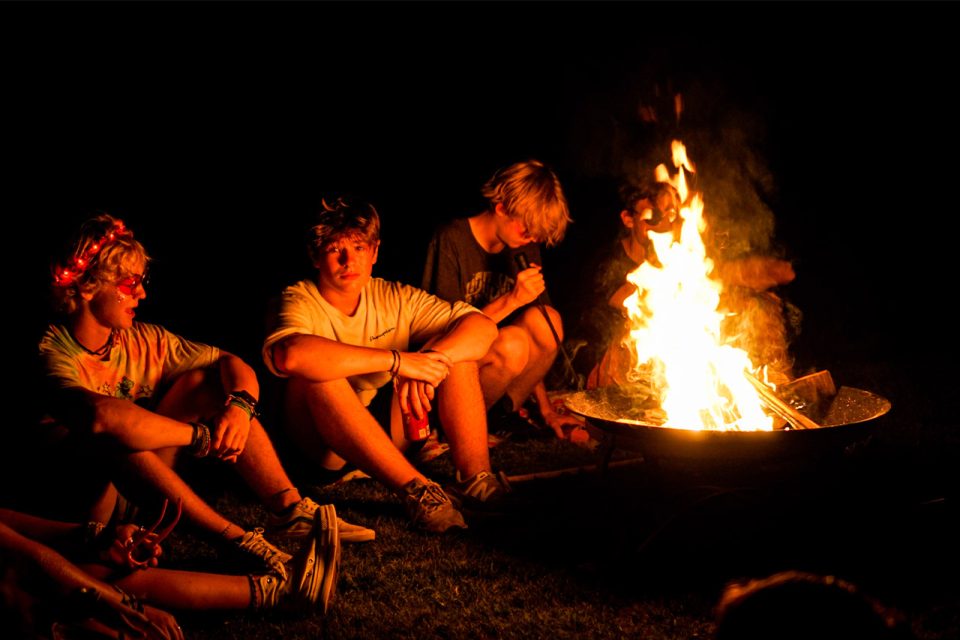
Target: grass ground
{"points": [[643, 551]]}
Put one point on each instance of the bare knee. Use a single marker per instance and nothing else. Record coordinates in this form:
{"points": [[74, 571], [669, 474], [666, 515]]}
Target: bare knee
{"points": [[510, 352], [533, 321], [194, 394]]}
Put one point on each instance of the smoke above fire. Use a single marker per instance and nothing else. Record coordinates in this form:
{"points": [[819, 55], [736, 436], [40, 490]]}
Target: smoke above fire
{"points": [[726, 139]]}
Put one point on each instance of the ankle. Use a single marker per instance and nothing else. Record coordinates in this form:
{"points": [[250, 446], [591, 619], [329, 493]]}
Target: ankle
{"points": [[232, 532], [283, 501]]}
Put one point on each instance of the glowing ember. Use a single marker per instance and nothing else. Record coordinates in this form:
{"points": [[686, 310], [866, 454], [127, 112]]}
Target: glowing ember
{"points": [[675, 327]]}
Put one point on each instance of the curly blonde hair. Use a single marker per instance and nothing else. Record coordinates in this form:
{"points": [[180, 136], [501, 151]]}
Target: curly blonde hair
{"points": [[97, 254]]}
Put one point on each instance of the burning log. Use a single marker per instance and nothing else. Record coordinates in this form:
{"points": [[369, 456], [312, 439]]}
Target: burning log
{"points": [[780, 407], [812, 394]]}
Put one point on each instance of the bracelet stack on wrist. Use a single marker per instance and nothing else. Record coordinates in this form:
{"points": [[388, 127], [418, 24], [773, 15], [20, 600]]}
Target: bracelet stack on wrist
{"points": [[200, 445], [244, 401], [395, 367], [129, 600]]}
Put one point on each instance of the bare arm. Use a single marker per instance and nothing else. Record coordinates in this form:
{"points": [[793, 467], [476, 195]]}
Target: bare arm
{"points": [[132, 426], [235, 374], [756, 272], [553, 419], [467, 340], [67, 577], [529, 285], [319, 359], [231, 427], [620, 295]]}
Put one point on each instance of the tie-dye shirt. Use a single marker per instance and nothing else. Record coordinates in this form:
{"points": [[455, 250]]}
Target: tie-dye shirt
{"points": [[142, 360]]}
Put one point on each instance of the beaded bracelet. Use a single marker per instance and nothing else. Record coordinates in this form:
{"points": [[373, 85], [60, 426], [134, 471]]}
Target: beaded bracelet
{"points": [[245, 401], [200, 445], [243, 405]]}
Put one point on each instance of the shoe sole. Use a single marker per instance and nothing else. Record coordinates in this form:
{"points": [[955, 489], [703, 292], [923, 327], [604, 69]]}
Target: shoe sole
{"points": [[426, 455], [353, 533], [302, 527], [327, 530]]}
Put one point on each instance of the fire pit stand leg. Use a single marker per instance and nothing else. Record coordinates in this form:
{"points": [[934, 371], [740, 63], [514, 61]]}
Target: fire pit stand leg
{"points": [[607, 445]]}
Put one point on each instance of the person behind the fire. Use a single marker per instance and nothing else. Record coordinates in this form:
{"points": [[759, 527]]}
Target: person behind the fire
{"points": [[475, 260], [648, 206], [342, 336], [125, 401]]}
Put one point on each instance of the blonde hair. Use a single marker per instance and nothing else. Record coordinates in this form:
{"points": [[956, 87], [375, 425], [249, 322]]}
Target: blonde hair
{"points": [[95, 255], [531, 191]]}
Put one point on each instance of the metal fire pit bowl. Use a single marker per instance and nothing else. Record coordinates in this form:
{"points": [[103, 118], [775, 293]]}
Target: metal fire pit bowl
{"points": [[850, 418]]}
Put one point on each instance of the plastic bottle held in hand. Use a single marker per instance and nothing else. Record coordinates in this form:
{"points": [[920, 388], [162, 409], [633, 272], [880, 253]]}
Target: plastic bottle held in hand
{"points": [[416, 429]]}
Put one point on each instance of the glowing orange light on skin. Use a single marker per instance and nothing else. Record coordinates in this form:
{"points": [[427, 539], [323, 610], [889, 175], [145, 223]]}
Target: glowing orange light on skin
{"points": [[676, 327]]}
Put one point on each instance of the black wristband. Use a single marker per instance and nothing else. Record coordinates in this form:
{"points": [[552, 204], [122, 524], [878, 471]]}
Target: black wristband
{"points": [[200, 445]]}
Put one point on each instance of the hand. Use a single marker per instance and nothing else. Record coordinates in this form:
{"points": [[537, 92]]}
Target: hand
{"points": [[415, 396], [557, 421], [431, 367], [132, 548], [114, 615], [161, 624], [530, 284], [230, 431]]}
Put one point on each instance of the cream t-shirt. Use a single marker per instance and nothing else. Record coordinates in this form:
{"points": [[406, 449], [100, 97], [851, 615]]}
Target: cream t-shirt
{"points": [[390, 315]]}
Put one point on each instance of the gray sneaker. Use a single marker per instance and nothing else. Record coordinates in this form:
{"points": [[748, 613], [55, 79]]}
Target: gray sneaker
{"points": [[254, 544], [312, 571], [429, 507], [299, 523], [483, 493]]}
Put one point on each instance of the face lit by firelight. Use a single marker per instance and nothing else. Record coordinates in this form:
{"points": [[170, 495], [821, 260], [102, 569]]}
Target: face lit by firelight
{"points": [[346, 264], [114, 304], [511, 230]]}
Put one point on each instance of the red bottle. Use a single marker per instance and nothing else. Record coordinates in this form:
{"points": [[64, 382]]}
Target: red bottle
{"points": [[416, 429]]}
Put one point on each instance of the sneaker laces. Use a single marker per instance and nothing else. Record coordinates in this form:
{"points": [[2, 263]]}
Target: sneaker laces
{"points": [[255, 544], [432, 497]]}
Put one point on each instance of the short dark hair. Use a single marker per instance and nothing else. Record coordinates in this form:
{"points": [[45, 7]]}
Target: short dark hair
{"points": [[632, 191], [342, 218]]}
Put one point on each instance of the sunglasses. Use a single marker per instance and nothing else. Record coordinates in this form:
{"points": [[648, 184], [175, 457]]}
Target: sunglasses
{"points": [[130, 284]]}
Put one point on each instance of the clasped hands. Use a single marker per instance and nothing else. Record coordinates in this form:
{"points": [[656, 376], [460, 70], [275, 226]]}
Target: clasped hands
{"points": [[418, 376]]}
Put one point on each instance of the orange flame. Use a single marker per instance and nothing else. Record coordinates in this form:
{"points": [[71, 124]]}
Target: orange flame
{"points": [[676, 327]]}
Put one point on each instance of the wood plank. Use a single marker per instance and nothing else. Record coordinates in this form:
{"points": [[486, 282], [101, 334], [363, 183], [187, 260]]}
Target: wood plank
{"points": [[778, 406]]}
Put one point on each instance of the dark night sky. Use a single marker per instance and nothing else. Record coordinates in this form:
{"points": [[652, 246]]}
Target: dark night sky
{"points": [[211, 129]]}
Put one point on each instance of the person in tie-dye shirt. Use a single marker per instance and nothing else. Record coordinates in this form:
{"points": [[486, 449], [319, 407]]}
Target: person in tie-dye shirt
{"points": [[124, 399]]}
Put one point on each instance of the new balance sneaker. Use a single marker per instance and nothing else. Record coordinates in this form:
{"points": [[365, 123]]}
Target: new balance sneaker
{"points": [[298, 521], [429, 508], [252, 543], [312, 572], [482, 493]]}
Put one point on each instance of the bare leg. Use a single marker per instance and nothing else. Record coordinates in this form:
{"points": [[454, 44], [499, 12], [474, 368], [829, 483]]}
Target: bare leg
{"points": [[461, 410], [542, 349], [146, 467], [188, 590], [328, 416], [506, 359], [198, 394]]}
